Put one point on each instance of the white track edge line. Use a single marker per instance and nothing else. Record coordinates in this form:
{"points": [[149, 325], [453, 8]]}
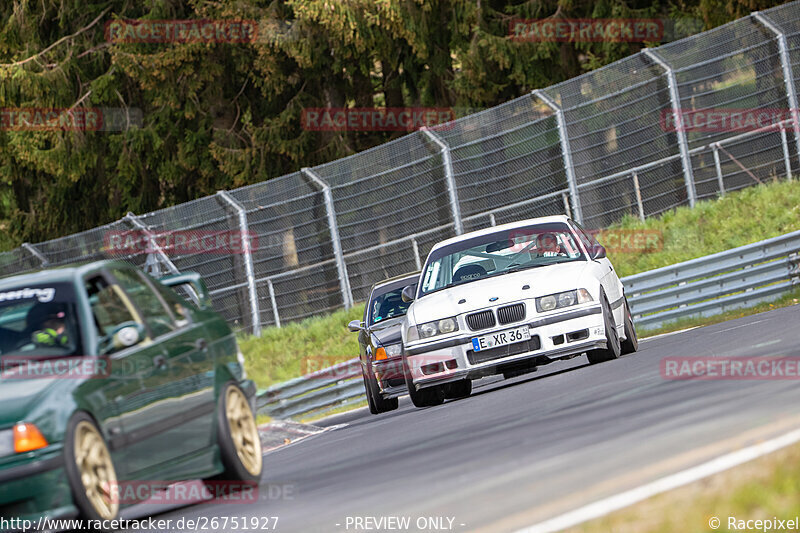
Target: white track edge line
{"points": [[624, 499]]}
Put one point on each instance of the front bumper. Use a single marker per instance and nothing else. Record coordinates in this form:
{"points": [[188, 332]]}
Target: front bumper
{"points": [[36, 486], [390, 377], [438, 362]]}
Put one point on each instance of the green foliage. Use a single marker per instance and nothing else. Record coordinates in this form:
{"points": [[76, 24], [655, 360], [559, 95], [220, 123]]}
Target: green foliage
{"points": [[222, 115]]}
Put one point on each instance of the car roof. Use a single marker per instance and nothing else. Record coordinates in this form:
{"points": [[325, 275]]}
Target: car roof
{"points": [[58, 274], [502, 227], [409, 276]]}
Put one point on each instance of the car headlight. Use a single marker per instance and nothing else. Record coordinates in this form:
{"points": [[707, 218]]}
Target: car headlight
{"points": [[385, 352], [562, 299], [437, 327]]}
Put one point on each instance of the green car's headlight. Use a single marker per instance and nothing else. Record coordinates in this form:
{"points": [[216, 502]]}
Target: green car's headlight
{"points": [[437, 327], [562, 299]]}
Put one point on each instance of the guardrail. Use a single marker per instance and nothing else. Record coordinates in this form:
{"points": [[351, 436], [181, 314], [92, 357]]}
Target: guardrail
{"points": [[740, 277]]}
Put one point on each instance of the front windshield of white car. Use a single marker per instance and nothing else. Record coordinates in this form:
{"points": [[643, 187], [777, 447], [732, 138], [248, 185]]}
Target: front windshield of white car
{"points": [[499, 253]]}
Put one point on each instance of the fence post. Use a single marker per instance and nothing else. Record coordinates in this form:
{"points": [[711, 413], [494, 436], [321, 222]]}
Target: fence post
{"points": [[788, 76], [134, 220], [566, 154], [683, 144], [638, 191], [455, 208], [247, 250], [36, 253], [786, 162], [272, 300], [341, 266], [718, 165], [417, 260]]}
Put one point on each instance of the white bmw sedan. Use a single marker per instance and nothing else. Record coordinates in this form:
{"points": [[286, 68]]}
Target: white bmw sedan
{"points": [[507, 299]]}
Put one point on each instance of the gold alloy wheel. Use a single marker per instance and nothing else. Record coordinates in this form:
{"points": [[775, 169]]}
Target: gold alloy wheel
{"points": [[96, 470], [244, 431]]}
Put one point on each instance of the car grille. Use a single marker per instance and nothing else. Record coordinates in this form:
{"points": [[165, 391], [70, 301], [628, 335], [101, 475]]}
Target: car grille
{"points": [[482, 320], [511, 313], [503, 351]]}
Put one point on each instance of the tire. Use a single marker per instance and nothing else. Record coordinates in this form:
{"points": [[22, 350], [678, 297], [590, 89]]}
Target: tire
{"points": [[427, 397], [631, 342], [458, 389], [612, 349], [377, 403], [91, 476], [237, 437]]}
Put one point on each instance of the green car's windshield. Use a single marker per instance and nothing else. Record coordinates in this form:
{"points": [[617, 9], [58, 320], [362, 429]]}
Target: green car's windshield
{"points": [[38, 321], [499, 253]]}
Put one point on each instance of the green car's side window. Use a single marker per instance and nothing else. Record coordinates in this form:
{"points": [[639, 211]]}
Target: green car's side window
{"points": [[155, 314]]}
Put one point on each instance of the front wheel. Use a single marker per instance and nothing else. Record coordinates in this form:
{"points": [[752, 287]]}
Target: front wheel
{"points": [[377, 403], [427, 397], [237, 436], [631, 342], [90, 470], [612, 349]]}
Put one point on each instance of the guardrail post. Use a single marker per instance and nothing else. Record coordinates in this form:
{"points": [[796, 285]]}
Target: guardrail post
{"points": [[788, 76], [248, 260], [566, 154], [718, 165], [638, 191], [134, 220], [36, 253], [683, 144], [275, 314], [449, 176], [341, 266]]}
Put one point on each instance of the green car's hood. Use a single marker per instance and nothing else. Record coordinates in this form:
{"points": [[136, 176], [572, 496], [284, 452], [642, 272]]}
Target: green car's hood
{"points": [[19, 396]]}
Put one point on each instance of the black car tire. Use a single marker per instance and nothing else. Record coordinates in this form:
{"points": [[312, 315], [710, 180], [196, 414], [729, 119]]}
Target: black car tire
{"points": [[235, 469], [631, 342], [458, 389], [427, 397], [612, 349], [82, 426], [377, 403]]}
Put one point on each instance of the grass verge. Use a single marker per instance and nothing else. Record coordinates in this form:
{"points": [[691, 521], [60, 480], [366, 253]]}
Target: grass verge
{"points": [[765, 488], [739, 218]]}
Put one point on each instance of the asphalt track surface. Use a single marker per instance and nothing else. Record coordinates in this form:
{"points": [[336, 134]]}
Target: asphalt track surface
{"points": [[520, 451]]}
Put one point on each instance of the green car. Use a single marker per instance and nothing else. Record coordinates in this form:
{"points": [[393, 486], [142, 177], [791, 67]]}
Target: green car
{"points": [[108, 376]]}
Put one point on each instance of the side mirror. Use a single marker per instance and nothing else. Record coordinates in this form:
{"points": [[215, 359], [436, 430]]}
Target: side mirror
{"points": [[598, 251], [355, 325], [193, 283], [409, 293]]}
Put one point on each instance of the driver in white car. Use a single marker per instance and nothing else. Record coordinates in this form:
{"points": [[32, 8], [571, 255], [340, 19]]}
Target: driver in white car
{"points": [[547, 246]]}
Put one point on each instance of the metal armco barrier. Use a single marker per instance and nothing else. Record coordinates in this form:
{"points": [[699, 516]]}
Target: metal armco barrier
{"points": [[740, 277]]}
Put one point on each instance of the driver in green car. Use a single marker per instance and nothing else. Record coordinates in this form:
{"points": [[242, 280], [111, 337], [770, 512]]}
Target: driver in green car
{"points": [[52, 329]]}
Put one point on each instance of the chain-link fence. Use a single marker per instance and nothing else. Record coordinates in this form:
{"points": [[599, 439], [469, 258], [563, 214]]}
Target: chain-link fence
{"points": [[613, 142]]}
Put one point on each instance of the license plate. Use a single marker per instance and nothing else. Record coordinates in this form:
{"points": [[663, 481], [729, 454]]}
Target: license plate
{"points": [[501, 338]]}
